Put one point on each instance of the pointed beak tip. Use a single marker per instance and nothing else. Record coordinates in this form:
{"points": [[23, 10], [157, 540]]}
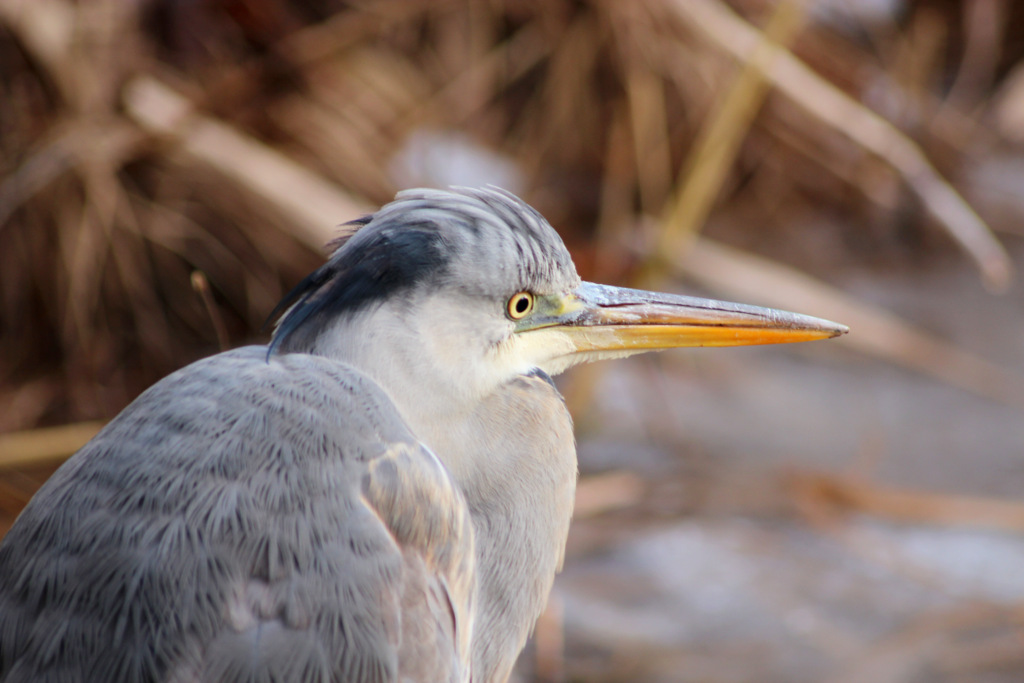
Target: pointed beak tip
{"points": [[834, 330], [818, 329]]}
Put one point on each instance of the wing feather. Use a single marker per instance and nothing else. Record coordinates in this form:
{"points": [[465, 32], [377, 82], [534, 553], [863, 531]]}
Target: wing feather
{"points": [[244, 520]]}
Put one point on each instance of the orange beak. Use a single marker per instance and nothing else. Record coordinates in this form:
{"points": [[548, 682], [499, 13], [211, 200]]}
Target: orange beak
{"points": [[600, 318]]}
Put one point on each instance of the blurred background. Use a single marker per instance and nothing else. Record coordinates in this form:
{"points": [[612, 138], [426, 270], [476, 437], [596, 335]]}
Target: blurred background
{"points": [[845, 511]]}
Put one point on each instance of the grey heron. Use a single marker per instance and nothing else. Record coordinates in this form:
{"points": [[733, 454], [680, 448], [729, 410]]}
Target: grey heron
{"points": [[382, 493]]}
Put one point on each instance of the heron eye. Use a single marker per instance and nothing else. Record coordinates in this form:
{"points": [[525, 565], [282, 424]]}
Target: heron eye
{"points": [[519, 305]]}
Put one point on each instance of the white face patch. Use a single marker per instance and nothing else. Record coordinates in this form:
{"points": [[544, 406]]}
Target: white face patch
{"points": [[466, 346], [439, 356], [554, 350], [548, 348]]}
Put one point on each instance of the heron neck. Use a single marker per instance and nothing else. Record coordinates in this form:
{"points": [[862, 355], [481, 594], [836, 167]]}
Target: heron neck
{"points": [[511, 451], [514, 459]]}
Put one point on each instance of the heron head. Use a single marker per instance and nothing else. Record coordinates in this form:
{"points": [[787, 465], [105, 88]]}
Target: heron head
{"points": [[470, 288]]}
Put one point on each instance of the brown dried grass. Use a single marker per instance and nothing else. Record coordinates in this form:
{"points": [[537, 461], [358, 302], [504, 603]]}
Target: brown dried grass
{"points": [[104, 222]]}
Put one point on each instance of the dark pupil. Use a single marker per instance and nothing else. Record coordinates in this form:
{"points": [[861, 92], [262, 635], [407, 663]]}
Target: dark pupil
{"points": [[522, 303]]}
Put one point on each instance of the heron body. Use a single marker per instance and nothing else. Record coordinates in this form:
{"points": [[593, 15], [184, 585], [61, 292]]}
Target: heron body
{"points": [[381, 494]]}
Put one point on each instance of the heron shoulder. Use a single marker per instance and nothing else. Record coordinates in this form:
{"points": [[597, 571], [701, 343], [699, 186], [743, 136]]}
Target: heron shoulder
{"points": [[279, 502]]}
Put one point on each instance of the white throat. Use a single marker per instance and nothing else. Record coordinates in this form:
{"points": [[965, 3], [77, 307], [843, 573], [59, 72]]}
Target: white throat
{"points": [[417, 352]]}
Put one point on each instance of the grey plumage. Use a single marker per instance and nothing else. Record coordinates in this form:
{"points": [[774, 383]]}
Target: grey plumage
{"points": [[382, 494], [239, 510]]}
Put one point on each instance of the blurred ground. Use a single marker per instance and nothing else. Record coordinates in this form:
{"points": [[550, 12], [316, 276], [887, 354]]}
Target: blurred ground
{"points": [[846, 511]]}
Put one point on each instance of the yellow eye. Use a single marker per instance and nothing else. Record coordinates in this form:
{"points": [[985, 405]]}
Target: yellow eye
{"points": [[519, 305]]}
